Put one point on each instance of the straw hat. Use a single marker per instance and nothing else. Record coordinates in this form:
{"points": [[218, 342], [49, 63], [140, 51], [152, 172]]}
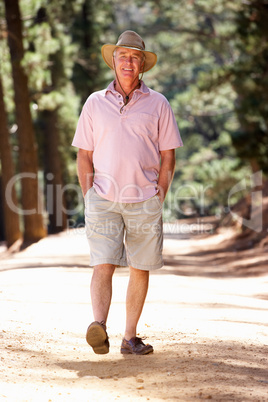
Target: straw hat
{"points": [[130, 40]]}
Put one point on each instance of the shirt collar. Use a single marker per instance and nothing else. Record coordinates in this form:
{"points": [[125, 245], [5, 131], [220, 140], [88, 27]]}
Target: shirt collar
{"points": [[143, 88]]}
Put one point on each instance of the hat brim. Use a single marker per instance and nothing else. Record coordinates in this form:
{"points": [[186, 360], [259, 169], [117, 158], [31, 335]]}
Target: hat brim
{"points": [[108, 50]]}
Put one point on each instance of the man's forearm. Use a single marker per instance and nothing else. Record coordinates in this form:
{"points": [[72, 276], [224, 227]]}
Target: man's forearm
{"points": [[166, 172], [85, 170]]}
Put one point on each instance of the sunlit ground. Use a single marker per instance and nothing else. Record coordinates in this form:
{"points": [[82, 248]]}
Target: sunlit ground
{"points": [[207, 321]]}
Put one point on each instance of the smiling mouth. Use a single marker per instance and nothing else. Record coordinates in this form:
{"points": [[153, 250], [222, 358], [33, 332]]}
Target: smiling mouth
{"points": [[127, 69]]}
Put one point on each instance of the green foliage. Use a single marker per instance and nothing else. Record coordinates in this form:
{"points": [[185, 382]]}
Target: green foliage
{"points": [[90, 27], [212, 67], [5, 66], [250, 81]]}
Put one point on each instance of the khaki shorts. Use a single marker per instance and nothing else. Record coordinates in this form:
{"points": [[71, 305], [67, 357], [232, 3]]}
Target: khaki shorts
{"points": [[124, 234]]}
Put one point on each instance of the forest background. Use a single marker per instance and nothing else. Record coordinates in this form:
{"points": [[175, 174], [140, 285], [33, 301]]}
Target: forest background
{"points": [[212, 67]]}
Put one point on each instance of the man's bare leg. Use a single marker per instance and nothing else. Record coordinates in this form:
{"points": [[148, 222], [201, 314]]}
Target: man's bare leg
{"points": [[101, 295], [136, 295], [101, 291]]}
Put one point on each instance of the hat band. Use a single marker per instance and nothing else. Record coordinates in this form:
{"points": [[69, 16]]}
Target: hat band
{"points": [[131, 47]]}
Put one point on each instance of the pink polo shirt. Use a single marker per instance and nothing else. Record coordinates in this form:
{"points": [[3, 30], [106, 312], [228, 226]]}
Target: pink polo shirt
{"points": [[126, 145]]}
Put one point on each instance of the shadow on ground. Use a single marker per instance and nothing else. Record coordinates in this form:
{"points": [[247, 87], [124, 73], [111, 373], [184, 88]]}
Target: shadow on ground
{"points": [[181, 370]]}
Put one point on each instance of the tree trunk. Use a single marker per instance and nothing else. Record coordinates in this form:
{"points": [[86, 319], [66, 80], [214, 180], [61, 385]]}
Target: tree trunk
{"points": [[30, 198], [10, 202], [53, 173]]}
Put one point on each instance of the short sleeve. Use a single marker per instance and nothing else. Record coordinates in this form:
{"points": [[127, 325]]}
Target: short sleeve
{"points": [[83, 137], [169, 135]]}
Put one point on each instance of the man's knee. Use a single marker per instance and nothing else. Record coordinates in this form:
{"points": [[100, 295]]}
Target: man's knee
{"points": [[104, 270], [139, 273]]}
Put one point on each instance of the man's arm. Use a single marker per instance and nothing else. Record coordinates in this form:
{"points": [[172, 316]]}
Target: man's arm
{"points": [[166, 172], [85, 169]]}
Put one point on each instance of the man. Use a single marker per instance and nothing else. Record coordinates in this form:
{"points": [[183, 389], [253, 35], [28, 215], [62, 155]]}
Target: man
{"points": [[126, 135]]}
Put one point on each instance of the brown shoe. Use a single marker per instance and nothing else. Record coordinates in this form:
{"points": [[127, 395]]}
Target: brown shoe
{"points": [[97, 337], [135, 346]]}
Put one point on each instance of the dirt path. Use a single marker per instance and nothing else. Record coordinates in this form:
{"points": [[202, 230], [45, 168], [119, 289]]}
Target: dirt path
{"points": [[206, 319]]}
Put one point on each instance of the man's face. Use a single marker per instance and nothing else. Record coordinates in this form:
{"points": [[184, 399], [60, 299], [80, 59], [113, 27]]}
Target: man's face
{"points": [[128, 64]]}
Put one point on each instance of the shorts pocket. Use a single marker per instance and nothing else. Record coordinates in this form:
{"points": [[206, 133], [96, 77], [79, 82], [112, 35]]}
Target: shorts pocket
{"points": [[153, 205], [158, 200], [88, 193]]}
